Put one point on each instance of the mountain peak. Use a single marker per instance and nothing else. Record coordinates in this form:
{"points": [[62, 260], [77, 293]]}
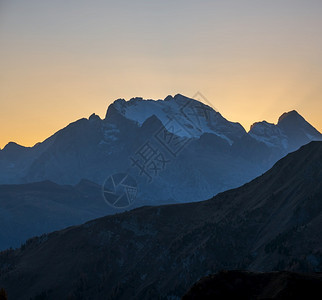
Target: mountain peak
{"points": [[168, 98], [94, 117], [12, 146], [297, 129], [290, 132], [293, 121], [260, 124], [177, 97], [190, 117], [180, 96], [269, 134], [293, 114], [135, 99]]}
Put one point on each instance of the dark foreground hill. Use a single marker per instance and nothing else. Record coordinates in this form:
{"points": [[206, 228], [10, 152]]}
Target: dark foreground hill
{"points": [[248, 285], [271, 223]]}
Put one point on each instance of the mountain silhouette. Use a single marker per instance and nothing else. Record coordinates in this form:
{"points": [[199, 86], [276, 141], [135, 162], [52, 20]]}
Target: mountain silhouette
{"points": [[202, 152]]}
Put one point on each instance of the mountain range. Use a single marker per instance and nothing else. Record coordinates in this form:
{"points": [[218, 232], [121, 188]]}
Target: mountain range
{"points": [[174, 150], [271, 223], [177, 149]]}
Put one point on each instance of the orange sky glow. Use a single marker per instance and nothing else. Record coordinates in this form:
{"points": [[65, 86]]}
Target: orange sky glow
{"points": [[64, 60]]}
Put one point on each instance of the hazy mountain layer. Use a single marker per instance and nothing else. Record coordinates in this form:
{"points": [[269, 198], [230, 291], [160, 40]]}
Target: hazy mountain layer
{"points": [[272, 223], [31, 209]]}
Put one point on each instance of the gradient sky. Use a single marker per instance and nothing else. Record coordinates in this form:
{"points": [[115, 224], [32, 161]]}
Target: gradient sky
{"points": [[63, 60]]}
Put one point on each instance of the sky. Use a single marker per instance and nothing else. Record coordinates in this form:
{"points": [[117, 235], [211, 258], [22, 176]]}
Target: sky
{"points": [[64, 60]]}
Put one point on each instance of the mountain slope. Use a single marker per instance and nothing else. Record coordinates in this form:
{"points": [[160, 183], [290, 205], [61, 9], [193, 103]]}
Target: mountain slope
{"points": [[272, 223], [249, 285], [15, 160]]}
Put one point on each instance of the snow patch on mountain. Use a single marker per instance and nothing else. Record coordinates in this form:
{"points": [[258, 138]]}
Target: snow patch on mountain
{"points": [[269, 134], [181, 115], [110, 132], [291, 131]]}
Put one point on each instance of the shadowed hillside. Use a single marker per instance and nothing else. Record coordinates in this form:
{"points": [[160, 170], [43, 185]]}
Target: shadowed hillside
{"points": [[272, 223], [247, 285]]}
